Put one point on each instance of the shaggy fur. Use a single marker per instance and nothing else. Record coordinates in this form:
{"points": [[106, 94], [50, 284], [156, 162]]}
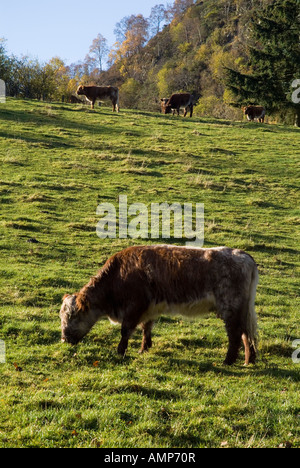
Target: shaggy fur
{"points": [[139, 284], [255, 112]]}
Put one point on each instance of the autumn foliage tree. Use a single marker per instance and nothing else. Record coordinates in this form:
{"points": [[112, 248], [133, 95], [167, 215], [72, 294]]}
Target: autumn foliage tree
{"points": [[98, 52]]}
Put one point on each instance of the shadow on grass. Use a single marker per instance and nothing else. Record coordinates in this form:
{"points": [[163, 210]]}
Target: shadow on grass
{"points": [[40, 118], [150, 392]]}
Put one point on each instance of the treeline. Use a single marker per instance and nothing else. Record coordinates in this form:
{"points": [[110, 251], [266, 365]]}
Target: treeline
{"points": [[227, 53], [27, 77]]}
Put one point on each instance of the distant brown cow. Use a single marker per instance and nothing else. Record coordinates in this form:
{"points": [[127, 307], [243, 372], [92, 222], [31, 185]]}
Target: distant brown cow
{"points": [[75, 100], [176, 102], [93, 93], [255, 112], [163, 103]]}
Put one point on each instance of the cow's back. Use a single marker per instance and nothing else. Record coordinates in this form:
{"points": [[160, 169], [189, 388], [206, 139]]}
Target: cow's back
{"points": [[177, 100]]}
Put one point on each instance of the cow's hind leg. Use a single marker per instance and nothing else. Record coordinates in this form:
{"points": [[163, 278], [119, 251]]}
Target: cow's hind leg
{"points": [[250, 352], [235, 337], [147, 339]]}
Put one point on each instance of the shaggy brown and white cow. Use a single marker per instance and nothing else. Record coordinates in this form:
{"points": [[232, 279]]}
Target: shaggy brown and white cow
{"points": [[255, 112], [177, 102], [140, 283], [93, 93]]}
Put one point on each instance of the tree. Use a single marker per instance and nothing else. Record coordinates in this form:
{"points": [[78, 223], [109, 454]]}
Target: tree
{"points": [[5, 63], [157, 17], [127, 55], [56, 79], [178, 9], [132, 24], [273, 59], [98, 53]]}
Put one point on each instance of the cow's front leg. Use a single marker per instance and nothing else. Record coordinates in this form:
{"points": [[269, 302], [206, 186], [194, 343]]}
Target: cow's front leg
{"points": [[128, 328]]}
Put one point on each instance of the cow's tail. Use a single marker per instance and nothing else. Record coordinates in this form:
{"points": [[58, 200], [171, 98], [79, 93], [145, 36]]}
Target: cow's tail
{"points": [[250, 332]]}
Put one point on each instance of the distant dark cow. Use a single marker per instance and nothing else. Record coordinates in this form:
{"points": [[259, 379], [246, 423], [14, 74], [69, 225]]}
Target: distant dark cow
{"points": [[139, 284], [93, 93], [75, 100], [176, 102], [164, 102], [255, 112]]}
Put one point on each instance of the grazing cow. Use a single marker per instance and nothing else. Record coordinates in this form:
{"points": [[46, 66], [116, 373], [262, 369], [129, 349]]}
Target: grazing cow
{"points": [[75, 100], [93, 93], [255, 112], [140, 283], [176, 102], [163, 104]]}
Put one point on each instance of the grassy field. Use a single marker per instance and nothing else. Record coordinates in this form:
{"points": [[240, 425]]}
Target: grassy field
{"points": [[58, 163]]}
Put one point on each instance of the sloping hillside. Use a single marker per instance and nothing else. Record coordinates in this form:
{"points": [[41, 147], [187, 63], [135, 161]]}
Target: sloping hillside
{"points": [[58, 162], [192, 54]]}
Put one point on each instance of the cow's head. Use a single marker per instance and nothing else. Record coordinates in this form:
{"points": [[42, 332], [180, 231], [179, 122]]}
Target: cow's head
{"points": [[80, 90], [248, 111], [74, 324], [164, 106]]}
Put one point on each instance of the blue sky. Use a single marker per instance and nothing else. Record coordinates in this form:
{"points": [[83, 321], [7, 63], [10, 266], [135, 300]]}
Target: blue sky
{"points": [[64, 28]]}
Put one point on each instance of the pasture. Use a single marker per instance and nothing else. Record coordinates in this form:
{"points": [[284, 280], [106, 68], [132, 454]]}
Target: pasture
{"points": [[58, 162]]}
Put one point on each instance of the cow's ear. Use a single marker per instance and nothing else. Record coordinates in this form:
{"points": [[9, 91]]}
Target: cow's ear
{"points": [[66, 296], [82, 302]]}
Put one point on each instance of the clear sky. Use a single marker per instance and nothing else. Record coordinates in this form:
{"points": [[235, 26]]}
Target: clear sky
{"points": [[64, 28]]}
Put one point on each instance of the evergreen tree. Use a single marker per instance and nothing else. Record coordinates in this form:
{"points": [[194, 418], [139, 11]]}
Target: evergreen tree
{"points": [[274, 59]]}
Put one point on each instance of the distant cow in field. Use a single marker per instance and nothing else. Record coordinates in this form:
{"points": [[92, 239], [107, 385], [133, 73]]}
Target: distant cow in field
{"points": [[93, 93], [163, 103], [75, 100], [255, 112], [176, 102], [139, 284]]}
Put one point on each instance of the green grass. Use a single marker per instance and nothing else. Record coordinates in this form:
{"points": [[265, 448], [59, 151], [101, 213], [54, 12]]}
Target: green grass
{"points": [[58, 163]]}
